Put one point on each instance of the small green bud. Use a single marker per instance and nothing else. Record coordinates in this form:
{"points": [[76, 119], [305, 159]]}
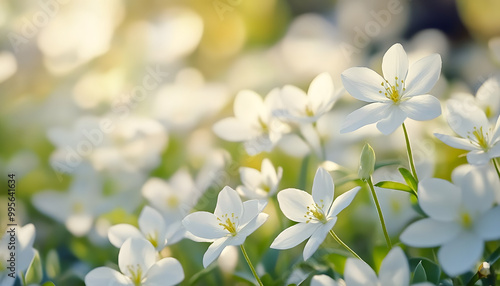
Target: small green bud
{"points": [[366, 162]]}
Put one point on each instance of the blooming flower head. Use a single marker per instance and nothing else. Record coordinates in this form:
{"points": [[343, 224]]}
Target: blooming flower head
{"points": [[260, 185], [138, 265], [230, 224], [481, 139], [487, 97], [307, 108], [401, 93], [316, 214], [461, 218], [394, 271]]}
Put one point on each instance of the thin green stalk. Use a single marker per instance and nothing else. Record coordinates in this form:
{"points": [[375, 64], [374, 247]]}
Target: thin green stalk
{"points": [[250, 264], [410, 155], [496, 167], [379, 210], [344, 245]]}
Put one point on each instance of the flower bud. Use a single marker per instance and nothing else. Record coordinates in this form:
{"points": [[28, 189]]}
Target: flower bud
{"points": [[484, 270], [367, 162]]}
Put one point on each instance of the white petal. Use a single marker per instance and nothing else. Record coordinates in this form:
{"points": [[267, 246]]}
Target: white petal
{"points": [[395, 64], [165, 272], [228, 202], [478, 157], [294, 99], [320, 91], [156, 189], [422, 107], [214, 250], [455, 142], [487, 95], [363, 84], [250, 177], [323, 189], [323, 280], [204, 225], [251, 209], [394, 119], [106, 276], [342, 201], [152, 224], [358, 273], [317, 238], [395, 269], [439, 199], [293, 203], [26, 236], [367, 114], [233, 129], [57, 205], [117, 234], [254, 224], [294, 235], [136, 252], [464, 117], [79, 224], [488, 225], [428, 232], [247, 106], [477, 194], [423, 75], [461, 254]]}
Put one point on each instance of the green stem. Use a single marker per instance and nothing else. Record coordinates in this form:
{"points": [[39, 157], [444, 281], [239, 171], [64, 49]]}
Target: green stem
{"points": [[410, 155], [250, 264], [379, 210], [496, 167], [303, 172], [344, 245]]}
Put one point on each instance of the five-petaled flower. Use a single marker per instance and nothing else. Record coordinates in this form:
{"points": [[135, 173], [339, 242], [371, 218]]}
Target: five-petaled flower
{"points": [[400, 94], [260, 185], [316, 214]]}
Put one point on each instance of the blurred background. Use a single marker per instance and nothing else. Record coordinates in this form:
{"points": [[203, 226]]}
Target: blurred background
{"points": [[159, 74]]}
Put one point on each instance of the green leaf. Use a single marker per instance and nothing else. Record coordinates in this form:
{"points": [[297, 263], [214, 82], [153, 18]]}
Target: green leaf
{"points": [[52, 264], [48, 283], [386, 163], [409, 179], [432, 270], [419, 274], [394, 186], [34, 274]]}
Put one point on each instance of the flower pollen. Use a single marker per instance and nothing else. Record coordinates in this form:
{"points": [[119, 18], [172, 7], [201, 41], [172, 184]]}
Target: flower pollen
{"points": [[135, 274], [393, 92], [153, 238], [480, 138], [228, 223], [173, 201], [315, 212], [466, 220]]}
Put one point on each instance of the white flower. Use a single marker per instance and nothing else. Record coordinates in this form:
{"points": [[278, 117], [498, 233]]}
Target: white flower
{"points": [[230, 224], [152, 227], [316, 214], [24, 251], [138, 266], [260, 185], [461, 218], [323, 280], [400, 94], [487, 97], [253, 122], [394, 271], [478, 136], [308, 108]]}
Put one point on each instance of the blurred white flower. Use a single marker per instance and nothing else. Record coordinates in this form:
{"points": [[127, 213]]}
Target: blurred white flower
{"points": [[394, 271], [476, 133], [308, 108], [461, 218], [487, 97], [230, 224], [253, 122], [260, 184], [316, 214], [24, 252], [9, 65], [400, 94], [323, 280], [138, 264]]}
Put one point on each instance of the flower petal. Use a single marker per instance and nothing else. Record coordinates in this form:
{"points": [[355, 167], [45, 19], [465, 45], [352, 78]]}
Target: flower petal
{"points": [[152, 224], [455, 142], [423, 75], [363, 84], [214, 250], [394, 119], [342, 201], [251, 209], [422, 107], [294, 235], [488, 225], [323, 189], [250, 177], [395, 64], [136, 252], [321, 91], [204, 224], [107, 276], [439, 199], [428, 232], [477, 191], [358, 273], [293, 203], [394, 269], [117, 234], [295, 100], [464, 117], [365, 115], [323, 280], [317, 238], [165, 272], [233, 129], [228, 202], [478, 157], [460, 254], [247, 106]]}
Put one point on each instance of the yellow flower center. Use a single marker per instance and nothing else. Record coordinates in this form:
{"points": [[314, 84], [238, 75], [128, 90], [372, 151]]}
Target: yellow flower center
{"points": [[153, 238], [480, 137], [393, 92], [488, 111], [228, 223], [135, 274], [315, 212], [263, 125], [466, 220], [172, 201], [309, 111]]}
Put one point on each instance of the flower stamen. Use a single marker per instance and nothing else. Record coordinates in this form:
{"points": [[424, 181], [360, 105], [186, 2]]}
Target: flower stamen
{"points": [[228, 223], [393, 92], [135, 274], [315, 212]]}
